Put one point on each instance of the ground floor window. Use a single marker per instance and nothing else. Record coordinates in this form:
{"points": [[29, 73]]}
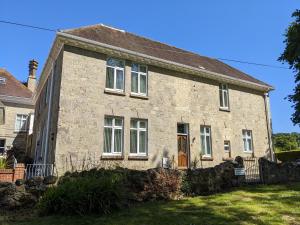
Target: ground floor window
{"points": [[138, 137], [205, 136], [247, 140], [113, 135], [2, 146]]}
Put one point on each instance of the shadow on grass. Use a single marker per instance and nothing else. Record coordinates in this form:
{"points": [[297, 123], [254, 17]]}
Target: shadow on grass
{"points": [[276, 204]]}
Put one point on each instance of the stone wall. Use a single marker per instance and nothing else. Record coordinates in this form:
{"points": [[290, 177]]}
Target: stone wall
{"points": [[272, 173], [173, 98]]}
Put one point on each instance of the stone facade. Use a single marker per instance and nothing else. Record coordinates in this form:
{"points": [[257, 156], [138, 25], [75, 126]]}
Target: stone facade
{"points": [[12, 137], [80, 102]]}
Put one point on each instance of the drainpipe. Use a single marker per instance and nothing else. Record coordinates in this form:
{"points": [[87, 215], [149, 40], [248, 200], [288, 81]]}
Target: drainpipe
{"points": [[269, 126]]}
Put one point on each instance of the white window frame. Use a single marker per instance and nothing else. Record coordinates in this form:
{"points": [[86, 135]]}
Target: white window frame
{"points": [[115, 68], [2, 80], [205, 134], [23, 118], [139, 73], [113, 128], [247, 137], [227, 143], [223, 88], [139, 129]]}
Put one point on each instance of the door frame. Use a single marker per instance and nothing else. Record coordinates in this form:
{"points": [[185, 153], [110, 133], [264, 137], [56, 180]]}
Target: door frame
{"points": [[187, 134]]}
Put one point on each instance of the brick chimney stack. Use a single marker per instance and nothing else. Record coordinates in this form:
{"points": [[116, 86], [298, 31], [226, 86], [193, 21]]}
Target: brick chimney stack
{"points": [[31, 81]]}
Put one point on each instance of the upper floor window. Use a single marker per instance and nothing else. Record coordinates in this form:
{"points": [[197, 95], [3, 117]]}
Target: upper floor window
{"points": [[21, 122], [115, 74], [247, 140], [224, 96], [2, 80], [113, 135], [138, 137], [205, 136], [139, 79]]}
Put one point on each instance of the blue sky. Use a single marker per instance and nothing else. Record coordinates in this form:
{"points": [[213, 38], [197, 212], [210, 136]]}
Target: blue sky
{"points": [[243, 30]]}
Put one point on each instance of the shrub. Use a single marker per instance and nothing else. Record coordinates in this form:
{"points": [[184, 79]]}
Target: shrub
{"points": [[84, 195], [2, 163], [288, 156]]}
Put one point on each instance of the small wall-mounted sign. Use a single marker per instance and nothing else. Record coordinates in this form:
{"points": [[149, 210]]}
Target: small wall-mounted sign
{"points": [[165, 162], [239, 171]]}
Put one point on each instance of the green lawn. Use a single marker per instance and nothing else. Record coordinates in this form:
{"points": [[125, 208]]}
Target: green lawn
{"points": [[277, 204]]}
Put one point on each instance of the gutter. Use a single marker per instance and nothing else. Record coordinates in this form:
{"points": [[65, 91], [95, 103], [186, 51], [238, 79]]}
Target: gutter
{"points": [[209, 74]]}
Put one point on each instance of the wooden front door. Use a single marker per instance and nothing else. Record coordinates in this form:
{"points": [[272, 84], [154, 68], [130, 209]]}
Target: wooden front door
{"points": [[182, 143]]}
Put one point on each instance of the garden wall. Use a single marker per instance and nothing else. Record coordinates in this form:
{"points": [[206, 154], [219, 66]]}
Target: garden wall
{"points": [[272, 173], [11, 175]]}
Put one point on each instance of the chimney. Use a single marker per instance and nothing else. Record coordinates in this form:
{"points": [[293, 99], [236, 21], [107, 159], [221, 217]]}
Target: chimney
{"points": [[31, 81]]}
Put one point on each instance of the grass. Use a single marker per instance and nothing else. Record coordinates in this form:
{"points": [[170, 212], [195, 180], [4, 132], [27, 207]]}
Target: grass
{"points": [[275, 204]]}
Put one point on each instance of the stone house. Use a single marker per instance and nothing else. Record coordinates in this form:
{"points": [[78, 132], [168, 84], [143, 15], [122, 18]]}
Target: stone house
{"points": [[16, 110], [110, 97]]}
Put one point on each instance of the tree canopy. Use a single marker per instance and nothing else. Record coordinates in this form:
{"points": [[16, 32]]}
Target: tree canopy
{"points": [[291, 55], [286, 141]]}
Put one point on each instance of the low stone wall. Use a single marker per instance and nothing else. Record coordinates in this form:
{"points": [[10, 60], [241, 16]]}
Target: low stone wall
{"points": [[272, 173], [211, 180], [11, 175]]}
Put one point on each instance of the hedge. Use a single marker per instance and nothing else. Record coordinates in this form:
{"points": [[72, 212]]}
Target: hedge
{"points": [[288, 155]]}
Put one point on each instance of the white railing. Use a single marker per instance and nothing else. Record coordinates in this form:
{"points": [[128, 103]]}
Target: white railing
{"points": [[39, 170]]}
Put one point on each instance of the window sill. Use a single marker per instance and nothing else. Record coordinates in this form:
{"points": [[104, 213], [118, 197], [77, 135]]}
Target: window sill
{"points": [[114, 92], [224, 109], [137, 157], [133, 95], [112, 157], [207, 158]]}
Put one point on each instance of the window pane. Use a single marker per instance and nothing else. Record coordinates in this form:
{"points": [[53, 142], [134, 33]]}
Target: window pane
{"points": [[118, 122], [181, 128], [221, 98], [143, 141], [225, 99], [134, 82], [142, 124], [245, 144], [109, 77], [133, 123], [133, 141], [143, 69], [118, 141], [203, 144], [208, 145], [249, 144], [143, 84], [107, 140], [135, 67], [120, 83], [108, 121], [207, 130], [115, 62]]}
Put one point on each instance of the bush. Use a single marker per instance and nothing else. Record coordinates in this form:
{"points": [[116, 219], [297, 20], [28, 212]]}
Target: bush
{"points": [[84, 195], [2, 163], [288, 156]]}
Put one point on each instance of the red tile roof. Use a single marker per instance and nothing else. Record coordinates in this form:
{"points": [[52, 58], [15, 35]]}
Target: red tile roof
{"points": [[12, 86], [129, 41]]}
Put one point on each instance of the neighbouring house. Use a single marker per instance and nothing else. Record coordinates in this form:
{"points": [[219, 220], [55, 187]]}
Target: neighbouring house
{"points": [[16, 111], [109, 97]]}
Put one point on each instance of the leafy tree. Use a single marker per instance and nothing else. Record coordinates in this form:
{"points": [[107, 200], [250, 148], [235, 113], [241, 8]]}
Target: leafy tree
{"points": [[286, 141], [291, 55]]}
